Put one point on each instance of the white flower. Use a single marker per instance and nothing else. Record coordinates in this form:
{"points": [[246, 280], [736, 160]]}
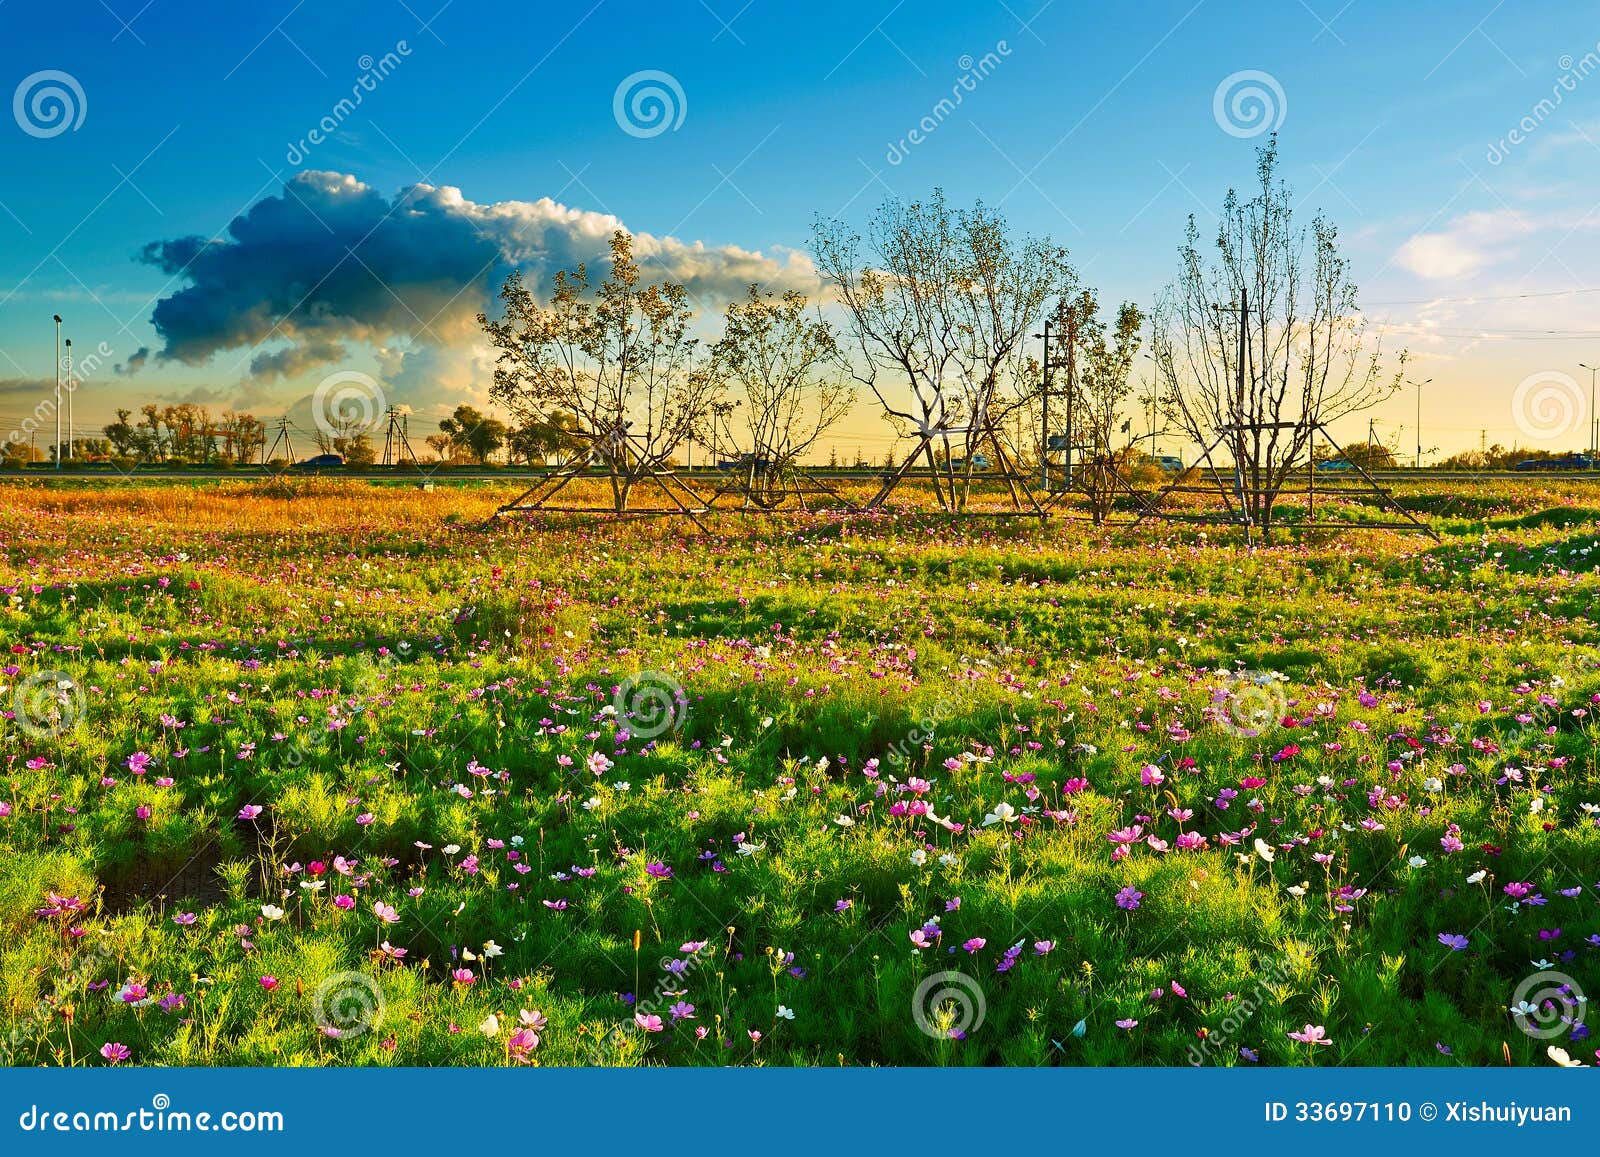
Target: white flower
{"points": [[312, 885], [491, 950], [1477, 877], [766, 721], [450, 849], [843, 820], [1417, 862], [949, 860], [919, 857], [1536, 804], [1003, 813], [1296, 890], [1562, 1058], [591, 803], [1265, 851], [491, 1026], [272, 911], [1433, 783], [751, 849], [785, 1012]]}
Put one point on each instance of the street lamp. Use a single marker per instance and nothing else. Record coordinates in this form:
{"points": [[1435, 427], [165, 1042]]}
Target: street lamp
{"points": [[1419, 386], [58, 391], [1594, 422], [69, 399]]}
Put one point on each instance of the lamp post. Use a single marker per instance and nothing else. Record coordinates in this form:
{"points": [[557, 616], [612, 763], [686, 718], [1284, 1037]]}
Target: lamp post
{"points": [[1419, 386], [69, 399], [58, 391], [1594, 421]]}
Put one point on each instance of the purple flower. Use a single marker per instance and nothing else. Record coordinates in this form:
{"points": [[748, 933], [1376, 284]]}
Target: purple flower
{"points": [[659, 871], [1128, 899], [1453, 941]]}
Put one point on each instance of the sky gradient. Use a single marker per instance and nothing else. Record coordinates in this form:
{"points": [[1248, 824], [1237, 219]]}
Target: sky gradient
{"points": [[1457, 146]]}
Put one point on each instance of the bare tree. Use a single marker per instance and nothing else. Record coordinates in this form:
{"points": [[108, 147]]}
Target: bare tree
{"points": [[785, 365], [1305, 354], [940, 306], [621, 362]]}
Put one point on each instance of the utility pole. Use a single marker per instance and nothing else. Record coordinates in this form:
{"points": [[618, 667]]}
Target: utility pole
{"points": [[58, 391], [1594, 421], [1243, 310], [1419, 386], [1044, 420]]}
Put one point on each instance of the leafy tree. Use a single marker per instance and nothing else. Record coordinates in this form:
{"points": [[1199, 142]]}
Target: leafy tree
{"points": [[621, 361], [787, 368], [474, 433]]}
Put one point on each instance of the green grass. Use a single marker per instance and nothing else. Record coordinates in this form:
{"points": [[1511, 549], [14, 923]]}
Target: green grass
{"points": [[348, 661]]}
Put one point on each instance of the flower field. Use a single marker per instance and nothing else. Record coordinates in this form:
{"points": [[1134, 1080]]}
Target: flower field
{"points": [[347, 779]]}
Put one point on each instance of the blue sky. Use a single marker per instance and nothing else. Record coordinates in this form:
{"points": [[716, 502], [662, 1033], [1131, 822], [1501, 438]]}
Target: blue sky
{"points": [[1096, 126]]}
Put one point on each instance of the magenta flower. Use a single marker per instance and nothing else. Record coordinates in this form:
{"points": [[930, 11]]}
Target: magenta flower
{"points": [[250, 811], [269, 982], [973, 945], [114, 1052], [659, 870], [1128, 899], [463, 976], [184, 918]]}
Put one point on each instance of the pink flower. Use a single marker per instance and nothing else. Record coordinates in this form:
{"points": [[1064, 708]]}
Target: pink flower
{"points": [[385, 913], [269, 982], [114, 1052], [649, 1022], [1311, 1034], [463, 976], [973, 945], [250, 811], [521, 1043]]}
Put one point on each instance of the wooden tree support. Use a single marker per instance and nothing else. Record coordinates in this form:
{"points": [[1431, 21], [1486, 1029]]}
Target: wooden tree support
{"points": [[1241, 497], [766, 491], [1022, 497], [624, 450]]}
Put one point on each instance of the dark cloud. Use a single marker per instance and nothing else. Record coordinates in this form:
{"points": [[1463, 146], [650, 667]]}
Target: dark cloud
{"points": [[332, 261], [135, 362]]}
